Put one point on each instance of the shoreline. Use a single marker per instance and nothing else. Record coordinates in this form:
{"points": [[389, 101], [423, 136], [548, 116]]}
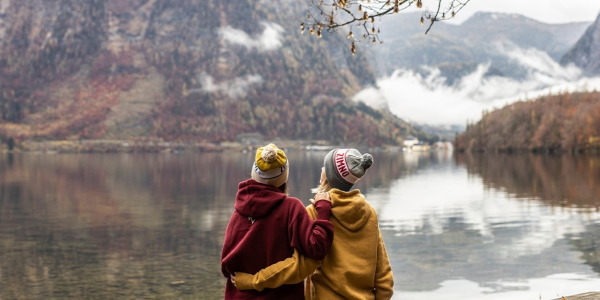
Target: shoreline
{"points": [[160, 146], [119, 146]]}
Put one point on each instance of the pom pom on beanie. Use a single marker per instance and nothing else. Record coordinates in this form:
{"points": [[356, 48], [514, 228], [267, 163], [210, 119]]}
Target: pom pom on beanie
{"points": [[269, 154], [270, 166], [367, 161]]}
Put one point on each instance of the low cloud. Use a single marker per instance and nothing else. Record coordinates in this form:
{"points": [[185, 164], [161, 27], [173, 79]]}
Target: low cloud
{"points": [[235, 88], [428, 99], [270, 39]]}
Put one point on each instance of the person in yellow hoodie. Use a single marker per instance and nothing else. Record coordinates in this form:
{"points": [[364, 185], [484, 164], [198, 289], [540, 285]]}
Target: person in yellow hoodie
{"points": [[357, 264]]}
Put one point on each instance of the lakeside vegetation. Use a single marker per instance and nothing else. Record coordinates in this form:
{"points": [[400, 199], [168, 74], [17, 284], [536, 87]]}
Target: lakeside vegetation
{"points": [[567, 122]]}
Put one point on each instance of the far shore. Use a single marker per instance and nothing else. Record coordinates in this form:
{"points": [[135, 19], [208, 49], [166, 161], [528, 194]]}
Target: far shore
{"points": [[159, 146]]}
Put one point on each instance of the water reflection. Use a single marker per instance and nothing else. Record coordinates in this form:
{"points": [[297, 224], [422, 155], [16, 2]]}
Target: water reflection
{"points": [[478, 222], [151, 226], [563, 180], [113, 226]]}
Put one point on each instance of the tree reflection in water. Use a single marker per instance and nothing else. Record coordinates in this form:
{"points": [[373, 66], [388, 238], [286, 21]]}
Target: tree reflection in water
{"points": [[114, 226], [559, 180]]}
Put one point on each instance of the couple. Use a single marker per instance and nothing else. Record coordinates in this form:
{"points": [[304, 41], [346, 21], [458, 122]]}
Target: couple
{"points": [[272, 242]]}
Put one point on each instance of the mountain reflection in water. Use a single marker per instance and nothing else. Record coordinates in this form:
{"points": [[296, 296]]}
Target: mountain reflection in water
{"points": [[151, 226]]}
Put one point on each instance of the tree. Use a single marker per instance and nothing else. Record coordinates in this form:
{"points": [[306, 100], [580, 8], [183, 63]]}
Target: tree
{"points": [[335, 14]]}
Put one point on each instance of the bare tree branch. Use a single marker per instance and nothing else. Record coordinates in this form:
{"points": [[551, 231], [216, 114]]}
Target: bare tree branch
{"points": [[435, 17], [336, 14]]}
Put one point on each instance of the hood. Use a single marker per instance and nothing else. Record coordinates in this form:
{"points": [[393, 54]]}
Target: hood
{"points": [[350, 208], [256, 200]]}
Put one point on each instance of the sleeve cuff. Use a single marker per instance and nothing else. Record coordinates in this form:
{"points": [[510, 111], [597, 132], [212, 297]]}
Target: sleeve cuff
{"points": [[243, 281], [323, 209]]}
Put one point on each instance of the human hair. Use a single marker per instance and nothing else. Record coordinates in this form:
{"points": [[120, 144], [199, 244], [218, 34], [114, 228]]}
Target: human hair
{"points": [[323, 187], [284, 188]]}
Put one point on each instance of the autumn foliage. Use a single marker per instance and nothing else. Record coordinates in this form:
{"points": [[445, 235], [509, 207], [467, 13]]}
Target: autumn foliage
{"points": [[164, 70], [568, 122]]}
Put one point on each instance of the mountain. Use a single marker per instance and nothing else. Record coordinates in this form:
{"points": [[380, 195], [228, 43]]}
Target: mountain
{"points": [[180, 70], [214, 70], [457, 50], [446, 78], [586, 52]]}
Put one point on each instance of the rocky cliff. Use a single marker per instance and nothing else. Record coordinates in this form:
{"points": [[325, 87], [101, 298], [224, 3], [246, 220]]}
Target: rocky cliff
{"points": [[586, 52]]}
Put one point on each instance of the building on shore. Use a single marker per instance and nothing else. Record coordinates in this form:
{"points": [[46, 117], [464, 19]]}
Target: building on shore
{"points": [[410, 141]]}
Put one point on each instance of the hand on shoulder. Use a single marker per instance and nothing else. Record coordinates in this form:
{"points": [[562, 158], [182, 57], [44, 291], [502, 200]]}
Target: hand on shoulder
{"points": [[320, 196]]}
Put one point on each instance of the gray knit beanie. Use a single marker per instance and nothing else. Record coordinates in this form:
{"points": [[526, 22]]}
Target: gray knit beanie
{"points": [[343, 167]]}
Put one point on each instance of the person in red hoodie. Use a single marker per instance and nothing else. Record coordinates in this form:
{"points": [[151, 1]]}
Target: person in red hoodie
{"points": [[267, 225]]}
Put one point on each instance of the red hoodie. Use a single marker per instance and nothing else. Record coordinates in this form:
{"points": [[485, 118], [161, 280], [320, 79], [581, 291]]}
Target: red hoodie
{"points": [[265, 228]]}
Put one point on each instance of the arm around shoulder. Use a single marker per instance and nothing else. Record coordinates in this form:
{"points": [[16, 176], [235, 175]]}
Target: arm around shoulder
{"points": [[289, 271]]}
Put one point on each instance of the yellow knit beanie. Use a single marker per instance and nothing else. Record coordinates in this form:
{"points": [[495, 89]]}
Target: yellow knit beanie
{"points": [[270, 166]]}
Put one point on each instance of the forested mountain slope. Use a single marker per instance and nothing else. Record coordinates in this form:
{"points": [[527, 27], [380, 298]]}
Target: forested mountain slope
{"points": [[559, 123], [179, 70]]}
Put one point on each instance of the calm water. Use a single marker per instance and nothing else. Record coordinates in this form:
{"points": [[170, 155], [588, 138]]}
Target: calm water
{"points": [[151, 226]]}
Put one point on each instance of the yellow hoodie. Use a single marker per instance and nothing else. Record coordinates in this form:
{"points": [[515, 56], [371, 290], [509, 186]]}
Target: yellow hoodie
{"points": [[356, 266]]}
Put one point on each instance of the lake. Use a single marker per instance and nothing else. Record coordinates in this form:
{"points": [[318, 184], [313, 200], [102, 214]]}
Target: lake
{"points": [[150, 226]]}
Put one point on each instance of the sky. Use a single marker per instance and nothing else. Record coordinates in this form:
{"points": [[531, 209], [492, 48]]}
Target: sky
{"points": [[547, 11]]}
